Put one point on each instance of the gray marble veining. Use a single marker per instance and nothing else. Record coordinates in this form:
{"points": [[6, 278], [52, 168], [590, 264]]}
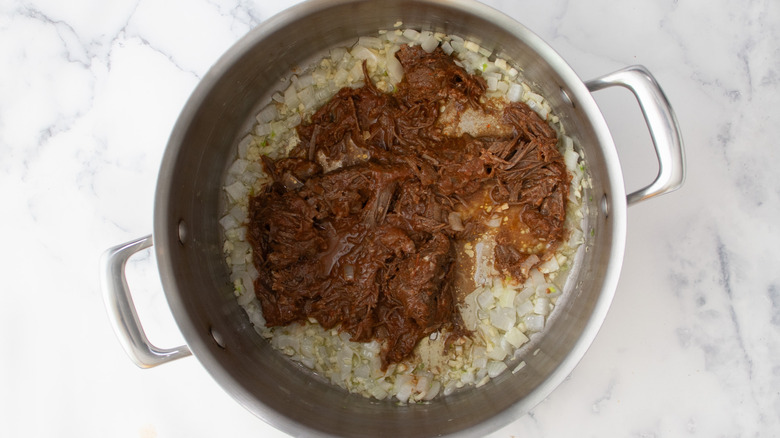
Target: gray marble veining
{"points": [[90, 90]]}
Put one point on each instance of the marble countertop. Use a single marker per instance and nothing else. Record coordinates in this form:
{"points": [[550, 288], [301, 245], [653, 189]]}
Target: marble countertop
{"points": [[89, 91]]}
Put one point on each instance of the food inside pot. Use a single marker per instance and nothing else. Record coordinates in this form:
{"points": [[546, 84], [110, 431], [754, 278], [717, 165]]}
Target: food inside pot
{"points": [[399, 215]]}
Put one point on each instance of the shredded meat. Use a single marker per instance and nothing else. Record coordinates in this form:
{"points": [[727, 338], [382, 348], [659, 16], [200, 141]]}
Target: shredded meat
{"points": [[356, 229]]}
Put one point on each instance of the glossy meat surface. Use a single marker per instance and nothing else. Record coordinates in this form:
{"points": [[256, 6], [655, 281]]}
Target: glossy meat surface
{"points": [[362, 226]]}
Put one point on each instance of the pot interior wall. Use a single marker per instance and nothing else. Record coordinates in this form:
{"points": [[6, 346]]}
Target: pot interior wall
{"points": [[188, 239]]}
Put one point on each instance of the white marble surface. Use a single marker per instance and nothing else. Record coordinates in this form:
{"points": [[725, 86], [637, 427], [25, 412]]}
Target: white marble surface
{"points": [[89, 91]]}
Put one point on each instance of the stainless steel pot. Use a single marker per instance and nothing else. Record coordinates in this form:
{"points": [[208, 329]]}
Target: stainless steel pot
{"points": [[187, 237]]}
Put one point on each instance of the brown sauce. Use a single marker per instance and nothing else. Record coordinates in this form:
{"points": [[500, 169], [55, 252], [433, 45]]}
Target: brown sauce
{"points": [[364, 225]]}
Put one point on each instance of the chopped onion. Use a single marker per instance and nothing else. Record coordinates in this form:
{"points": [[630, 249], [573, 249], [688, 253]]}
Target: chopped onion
{"points": [[249, 292], [533, 322], [263, 129], [447, 48], [536, 278], [428, 42], [542, 306], [394, 69], [455, 221], [364, 53], [295, 119], [539, 109], [503, 318], [515, 337], [549, 266], [485, 299], [238, 167], [524, 308], [528, 263], [267, 114], [291, 97], [369, 41], [240, 213], [433, 391], [237, 191], [411, 34], [515, 93], [403, 387], [228, 222], [494, 368], [470, 45], [498, 352], [494, 221], [337, 53], [547, 290]]}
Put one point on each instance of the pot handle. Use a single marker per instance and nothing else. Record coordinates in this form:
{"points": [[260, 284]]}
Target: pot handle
{"points": [[661, 122], [121, 310]]}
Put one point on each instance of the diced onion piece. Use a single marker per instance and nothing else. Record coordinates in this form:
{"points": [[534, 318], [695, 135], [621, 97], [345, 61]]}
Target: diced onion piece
{"points": [[534, 323], [505, 296], [536, 278], [470, 45], [237, 191], [228, 222], [356, 75], [304, 82], [306, 97], [249, 292], [547, 290], [337, 53], [394, 69], [447, 48], [239, 213], [479, 356], [364, 53], [243, 146], [403, 387], [291, 97], [455, 221], [433, 391], [497, 353], [295, 119], [486, 300], [503, 318], [411, 34], [428, 42], [263, 129], [539, 109], [515, 337], [494, 221], [542, 306], [528, 263], [515, 93], [371, 42], [549, 266], [524, 308], [494, 368], [267, 114]]}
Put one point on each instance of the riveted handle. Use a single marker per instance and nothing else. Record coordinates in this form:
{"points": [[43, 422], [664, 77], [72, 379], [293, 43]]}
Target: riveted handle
{"points": [[121, 310], [661, 122]]}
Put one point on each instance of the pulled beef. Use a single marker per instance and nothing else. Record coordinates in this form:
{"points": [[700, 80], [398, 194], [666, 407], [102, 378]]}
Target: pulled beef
{"points": [[354, 231]]}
